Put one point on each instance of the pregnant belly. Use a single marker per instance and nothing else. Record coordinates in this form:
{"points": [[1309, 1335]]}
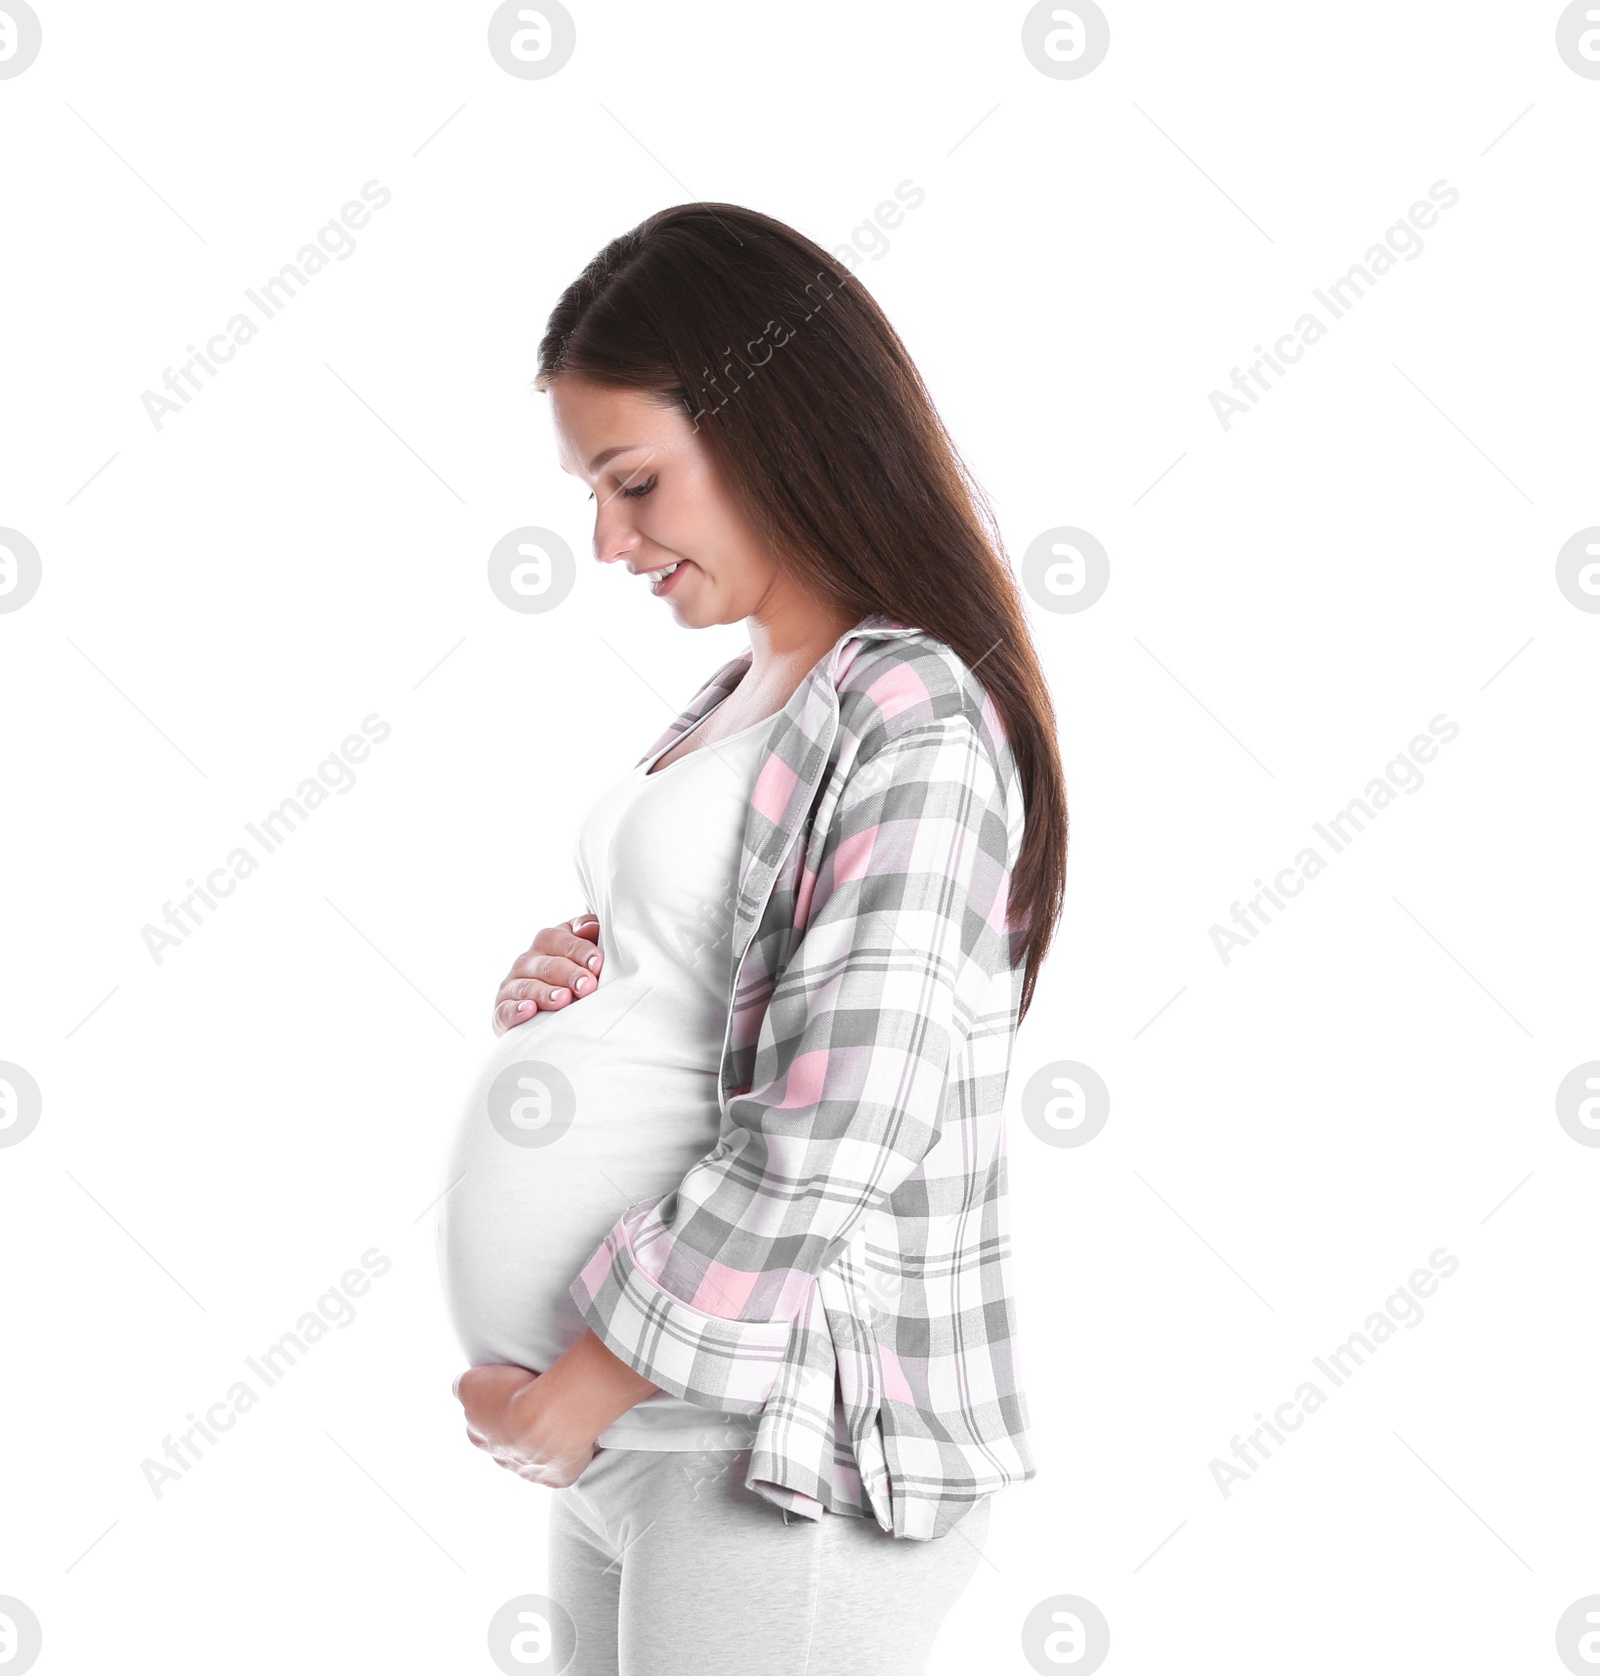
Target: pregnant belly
{"points": [[566, 1124]]}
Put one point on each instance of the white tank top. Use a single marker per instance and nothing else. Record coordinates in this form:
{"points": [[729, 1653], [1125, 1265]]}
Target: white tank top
{"points": [[576, 1114]]}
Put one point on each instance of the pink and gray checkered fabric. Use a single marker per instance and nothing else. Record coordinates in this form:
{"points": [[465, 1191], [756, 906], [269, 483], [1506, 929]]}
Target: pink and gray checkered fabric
{"points": [[850, 1226]]}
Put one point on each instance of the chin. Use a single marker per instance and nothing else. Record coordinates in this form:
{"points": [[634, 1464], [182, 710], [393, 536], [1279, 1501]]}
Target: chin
{"points": [[701, 613]]}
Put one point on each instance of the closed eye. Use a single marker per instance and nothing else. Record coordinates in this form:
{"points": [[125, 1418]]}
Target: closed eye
{"points": [[637, 492]]}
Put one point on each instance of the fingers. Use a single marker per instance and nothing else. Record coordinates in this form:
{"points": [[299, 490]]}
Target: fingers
{"points": [[518, 1002], [550, 977], [575, 942], [520, 998], [464, 1385], [562, 966], [491, 1383]]}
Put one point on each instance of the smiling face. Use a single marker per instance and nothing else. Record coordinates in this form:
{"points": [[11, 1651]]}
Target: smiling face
{"points": [[660, 501]]}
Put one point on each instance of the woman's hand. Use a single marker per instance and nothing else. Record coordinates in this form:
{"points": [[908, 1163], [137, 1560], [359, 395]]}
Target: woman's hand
{"points": [[562, 964], [508, 1418], [543, 1426]]}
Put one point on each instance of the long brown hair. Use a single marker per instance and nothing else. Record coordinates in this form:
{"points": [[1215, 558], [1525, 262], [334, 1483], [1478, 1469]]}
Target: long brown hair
{"points": [[830, 444]]}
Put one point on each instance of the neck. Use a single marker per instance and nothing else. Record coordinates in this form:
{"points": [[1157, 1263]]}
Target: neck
{"points": [[788, 639]]}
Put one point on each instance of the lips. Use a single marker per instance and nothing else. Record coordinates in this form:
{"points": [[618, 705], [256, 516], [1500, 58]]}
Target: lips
{"points": [[664, 580]]}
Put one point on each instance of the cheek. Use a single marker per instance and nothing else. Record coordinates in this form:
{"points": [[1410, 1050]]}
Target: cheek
{"points": [[689, 516], [677, 521]]}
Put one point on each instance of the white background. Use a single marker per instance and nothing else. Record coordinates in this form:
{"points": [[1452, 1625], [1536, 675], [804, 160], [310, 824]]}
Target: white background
{"points": [[225, 598]]}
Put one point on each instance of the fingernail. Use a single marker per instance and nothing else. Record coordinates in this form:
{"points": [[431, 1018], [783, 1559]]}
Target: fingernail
{"points": [[578, 983], [593, 962], [558, 995], [524, 1006]]}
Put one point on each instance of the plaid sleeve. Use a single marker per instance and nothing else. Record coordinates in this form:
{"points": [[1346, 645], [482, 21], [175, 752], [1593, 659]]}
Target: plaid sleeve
{"points": [[698, 1289]]}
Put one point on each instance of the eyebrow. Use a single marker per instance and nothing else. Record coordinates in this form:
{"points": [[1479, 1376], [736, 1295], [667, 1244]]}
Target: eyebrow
{"points": [[610, 453]]}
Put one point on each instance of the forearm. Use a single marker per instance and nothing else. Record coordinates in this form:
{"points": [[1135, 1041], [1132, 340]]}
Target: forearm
{"points": [[593, 1387]]}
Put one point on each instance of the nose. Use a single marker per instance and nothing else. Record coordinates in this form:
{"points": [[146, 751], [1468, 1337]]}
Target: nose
{"points": [[614, 535]]}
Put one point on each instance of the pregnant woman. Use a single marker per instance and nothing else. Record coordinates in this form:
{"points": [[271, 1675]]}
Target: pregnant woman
{"points": [[727, 1247]]}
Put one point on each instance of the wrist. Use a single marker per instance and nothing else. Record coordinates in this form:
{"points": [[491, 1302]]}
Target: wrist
{"points": [[591, 1387]]}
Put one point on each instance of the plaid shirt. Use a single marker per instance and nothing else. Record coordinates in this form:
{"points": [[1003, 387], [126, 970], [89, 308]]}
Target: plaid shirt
{"points": [[848, 1234]]}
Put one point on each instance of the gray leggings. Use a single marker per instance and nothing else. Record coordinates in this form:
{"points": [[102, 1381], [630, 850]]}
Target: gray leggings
{"points": [[667, 1564]]}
